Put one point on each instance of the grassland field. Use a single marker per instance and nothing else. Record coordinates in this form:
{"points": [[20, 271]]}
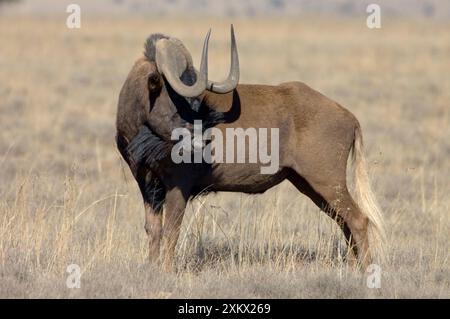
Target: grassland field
{"points": [[67, 197]]}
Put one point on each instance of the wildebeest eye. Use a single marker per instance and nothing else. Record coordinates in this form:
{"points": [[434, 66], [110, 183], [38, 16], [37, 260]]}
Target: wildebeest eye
{"points": [[154, 81]]}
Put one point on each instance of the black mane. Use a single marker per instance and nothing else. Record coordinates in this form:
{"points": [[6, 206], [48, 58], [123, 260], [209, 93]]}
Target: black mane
{"points": [[150, 45]]}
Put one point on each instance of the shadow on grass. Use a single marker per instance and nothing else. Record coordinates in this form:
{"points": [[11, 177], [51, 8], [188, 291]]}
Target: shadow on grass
{"points": [[213, 255]]}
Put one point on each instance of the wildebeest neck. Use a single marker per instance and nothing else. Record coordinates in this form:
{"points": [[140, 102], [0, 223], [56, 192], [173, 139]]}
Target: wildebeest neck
{"points": [[198, 108]]}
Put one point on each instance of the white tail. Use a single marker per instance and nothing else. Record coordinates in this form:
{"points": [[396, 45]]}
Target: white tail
{"points": [[366, 200]]}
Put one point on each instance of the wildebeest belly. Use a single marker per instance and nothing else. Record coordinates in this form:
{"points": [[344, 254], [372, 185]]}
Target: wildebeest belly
{"points": [[245, 178]]}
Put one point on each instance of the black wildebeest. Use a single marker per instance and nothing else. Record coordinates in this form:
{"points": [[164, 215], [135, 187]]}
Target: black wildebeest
{"points": [[164, 91]]}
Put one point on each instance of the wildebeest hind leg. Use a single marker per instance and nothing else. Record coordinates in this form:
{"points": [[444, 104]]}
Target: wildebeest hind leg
{"points": [[334, 199]]}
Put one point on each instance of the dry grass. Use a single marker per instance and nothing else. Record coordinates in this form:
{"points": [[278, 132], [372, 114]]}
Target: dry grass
{"points": [[67, 197]]}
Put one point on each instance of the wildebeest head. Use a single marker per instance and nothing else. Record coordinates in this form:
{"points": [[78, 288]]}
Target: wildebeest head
{"points": [[174, 62]]}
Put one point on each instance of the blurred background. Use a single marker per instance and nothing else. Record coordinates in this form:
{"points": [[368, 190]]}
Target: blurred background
{"points": [[66, 196], [431, 9]]}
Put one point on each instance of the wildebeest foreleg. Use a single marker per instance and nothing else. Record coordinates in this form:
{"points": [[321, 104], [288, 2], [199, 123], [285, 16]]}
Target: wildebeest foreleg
{"points": [[153, 193], [176, 200], [153, 227]]}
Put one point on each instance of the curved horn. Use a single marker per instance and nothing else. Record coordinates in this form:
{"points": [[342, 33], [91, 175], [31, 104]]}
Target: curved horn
{"points": [[233, 76], [172, 61]]}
